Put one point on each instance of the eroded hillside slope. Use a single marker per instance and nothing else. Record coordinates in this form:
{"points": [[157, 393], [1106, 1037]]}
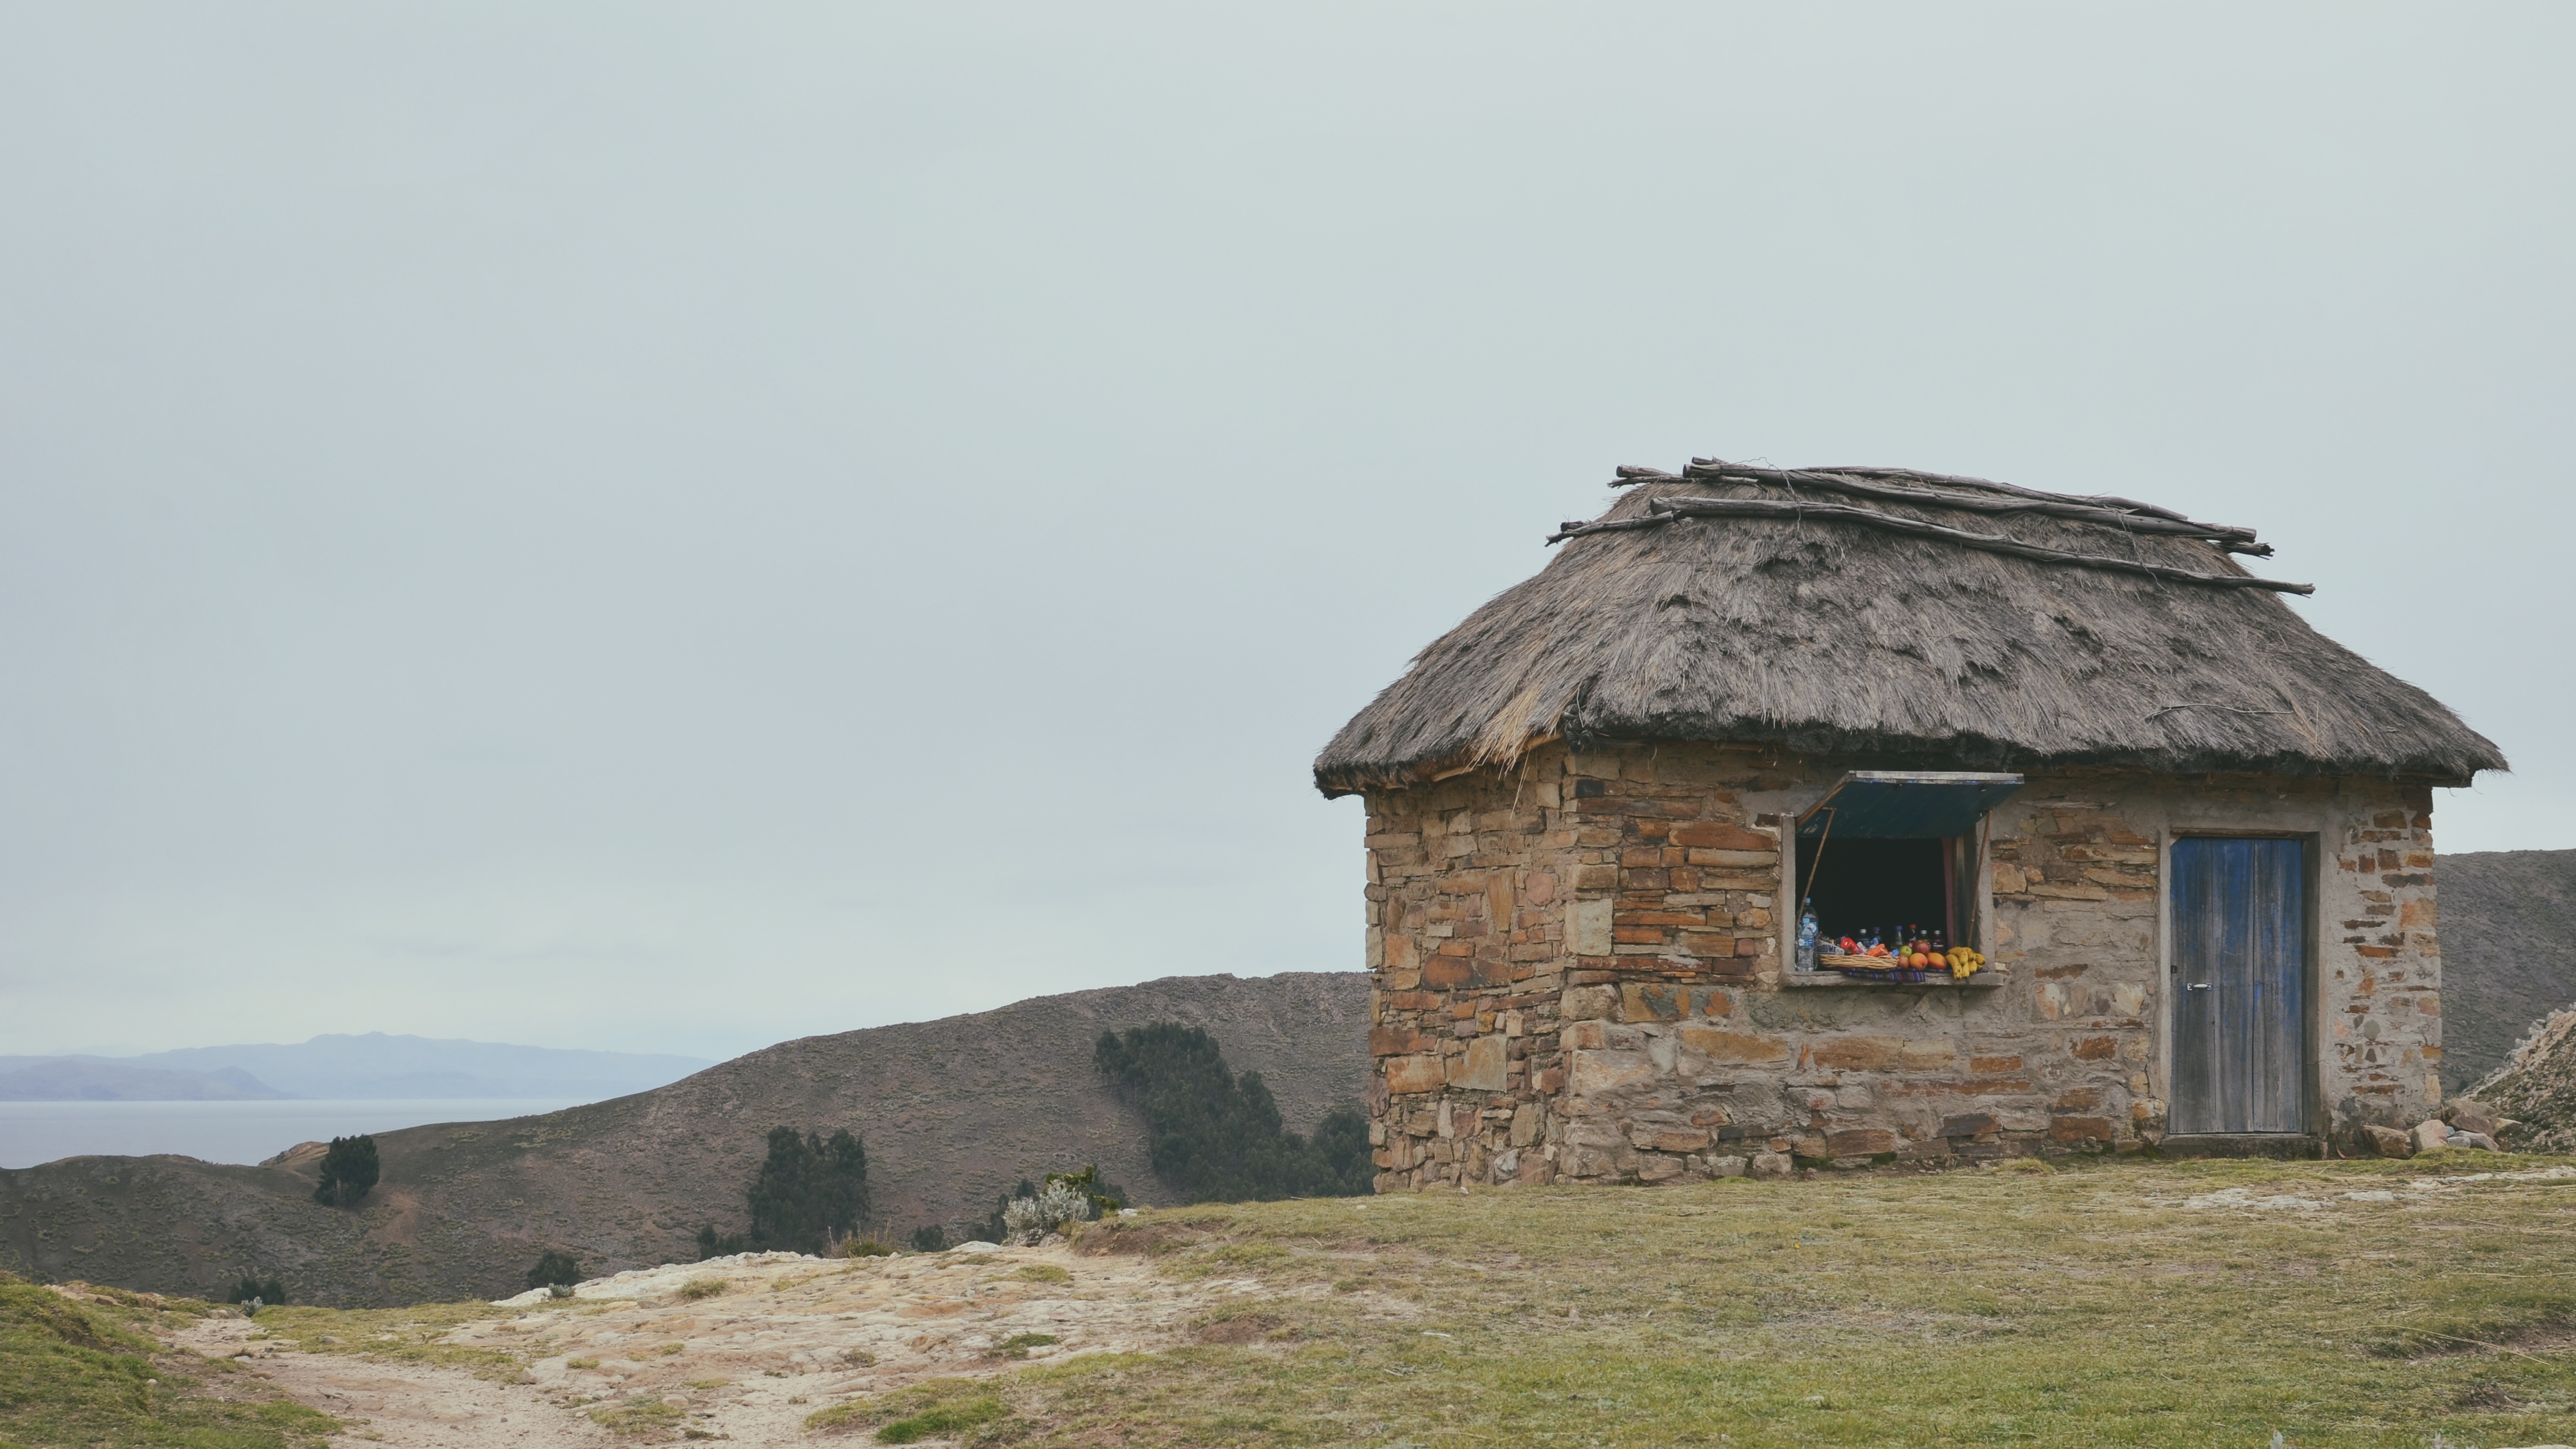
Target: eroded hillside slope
{"points": [[953, 1111], [2508, 952]]}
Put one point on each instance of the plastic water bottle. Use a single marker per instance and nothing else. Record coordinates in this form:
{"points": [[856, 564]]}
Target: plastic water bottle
{"points": [[1807, 942]]}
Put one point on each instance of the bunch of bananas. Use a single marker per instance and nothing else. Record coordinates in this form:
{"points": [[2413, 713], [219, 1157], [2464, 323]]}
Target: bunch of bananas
{"points": [[1964, 962]]}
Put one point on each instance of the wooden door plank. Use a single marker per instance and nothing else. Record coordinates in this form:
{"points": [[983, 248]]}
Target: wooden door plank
{"points": [[2196, 1093], [2240, 972], [2277, 959]]}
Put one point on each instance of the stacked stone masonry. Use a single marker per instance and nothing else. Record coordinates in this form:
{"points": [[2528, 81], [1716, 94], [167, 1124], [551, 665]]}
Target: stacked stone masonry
{"points": [[1579, 967]]}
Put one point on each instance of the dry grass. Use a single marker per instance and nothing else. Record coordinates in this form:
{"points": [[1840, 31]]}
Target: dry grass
{"points": [[2093, 1306], [408, 1335]]}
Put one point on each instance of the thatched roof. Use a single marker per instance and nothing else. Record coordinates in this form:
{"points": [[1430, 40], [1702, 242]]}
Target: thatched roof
{"points": [[1838, 617]]}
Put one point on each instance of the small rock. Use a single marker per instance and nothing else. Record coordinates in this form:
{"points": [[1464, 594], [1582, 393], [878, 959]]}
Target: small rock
{"points": [[2431, 1136], [2389, 1142], [2468, 1116], [1771, 1164], [2473, 1139]]}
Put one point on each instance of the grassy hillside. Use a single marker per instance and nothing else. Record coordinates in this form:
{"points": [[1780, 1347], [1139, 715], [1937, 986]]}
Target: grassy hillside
{"points": [[81, 1370], [2508, 952], [953, 1112]]}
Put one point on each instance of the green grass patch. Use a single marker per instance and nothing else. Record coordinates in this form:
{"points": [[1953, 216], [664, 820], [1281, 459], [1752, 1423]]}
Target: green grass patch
{"points": [[635, 1416], [942, 1420], [1019, 1344], [2167, 1306], [1042, 1273], [703, 1287], [83, 1373], [936, 1408]]}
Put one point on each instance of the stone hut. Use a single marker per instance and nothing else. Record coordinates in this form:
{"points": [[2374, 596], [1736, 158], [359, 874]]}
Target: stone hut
{"points": [[2191, 835]]}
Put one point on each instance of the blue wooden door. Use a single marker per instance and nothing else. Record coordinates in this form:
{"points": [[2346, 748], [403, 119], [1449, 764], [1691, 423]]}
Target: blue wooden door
{"points": [[2240, 953]]}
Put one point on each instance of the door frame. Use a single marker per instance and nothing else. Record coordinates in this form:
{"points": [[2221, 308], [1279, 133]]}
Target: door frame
{"points": [[2313, 1043]]}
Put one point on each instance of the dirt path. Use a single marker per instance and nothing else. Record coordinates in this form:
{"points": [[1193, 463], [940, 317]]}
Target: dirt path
{"points": [[783, 1338], [408, 1404]]}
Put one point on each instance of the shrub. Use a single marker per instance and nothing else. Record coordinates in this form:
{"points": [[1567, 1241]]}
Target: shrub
{"points": [[348, 1170], [697, 1288], [268, 1291], [1216, 1137], [711, 1245], [997, 1228], [1106, 1197], [930, 1238], [553, 1267], [1027, 1219], [866, 1248]]}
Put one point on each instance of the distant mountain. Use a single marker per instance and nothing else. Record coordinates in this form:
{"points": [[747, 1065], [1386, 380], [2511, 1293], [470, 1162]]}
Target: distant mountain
{"points": [[2508, 929], [373, 1067], [92, 1079], [953, 1112]]}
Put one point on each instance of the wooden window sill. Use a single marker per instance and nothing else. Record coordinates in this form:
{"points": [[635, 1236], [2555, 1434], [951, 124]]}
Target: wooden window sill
{"points": [[1985, 980]]}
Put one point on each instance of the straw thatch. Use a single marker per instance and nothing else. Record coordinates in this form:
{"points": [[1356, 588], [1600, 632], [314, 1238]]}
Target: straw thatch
{"points": [[1821, 632]]}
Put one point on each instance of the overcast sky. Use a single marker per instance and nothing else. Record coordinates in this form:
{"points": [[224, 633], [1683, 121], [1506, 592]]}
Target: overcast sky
{"points": [[625, 526]]}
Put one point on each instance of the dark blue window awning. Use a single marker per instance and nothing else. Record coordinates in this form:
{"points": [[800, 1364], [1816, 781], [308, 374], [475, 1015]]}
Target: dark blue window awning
{"points": [[1905, 804]]}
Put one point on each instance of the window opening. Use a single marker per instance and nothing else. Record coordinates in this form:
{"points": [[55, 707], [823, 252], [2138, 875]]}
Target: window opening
{"points": [[1895, 854], [1870, 887]]}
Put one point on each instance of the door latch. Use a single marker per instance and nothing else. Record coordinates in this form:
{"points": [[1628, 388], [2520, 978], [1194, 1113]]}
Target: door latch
{"points": [[2197, 986]]}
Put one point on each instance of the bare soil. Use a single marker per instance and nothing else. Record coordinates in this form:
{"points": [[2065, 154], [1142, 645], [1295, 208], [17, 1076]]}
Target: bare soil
{"points": [[782, 1340]]}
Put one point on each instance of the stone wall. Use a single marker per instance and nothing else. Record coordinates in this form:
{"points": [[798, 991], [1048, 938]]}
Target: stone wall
{"points": [[2383, 966], [1580, 976]]}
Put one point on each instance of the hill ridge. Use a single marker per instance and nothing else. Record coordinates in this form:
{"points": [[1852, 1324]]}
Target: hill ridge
{"points": [[953, 1111]]}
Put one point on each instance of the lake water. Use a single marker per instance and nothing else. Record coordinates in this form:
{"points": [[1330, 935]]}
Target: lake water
{"points": [[34, 1132]]}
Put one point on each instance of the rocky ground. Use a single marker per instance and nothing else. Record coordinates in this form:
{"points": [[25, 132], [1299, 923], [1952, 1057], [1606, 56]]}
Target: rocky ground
{"points": [[743, 1348]]}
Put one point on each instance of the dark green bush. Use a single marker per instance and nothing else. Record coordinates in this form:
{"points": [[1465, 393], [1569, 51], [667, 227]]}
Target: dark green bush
{"points": [[1216, 1137], [553, 1267], [348, 1170], [1106, 1197], [267, 1290], [930, 1238], [808, 1191]]}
